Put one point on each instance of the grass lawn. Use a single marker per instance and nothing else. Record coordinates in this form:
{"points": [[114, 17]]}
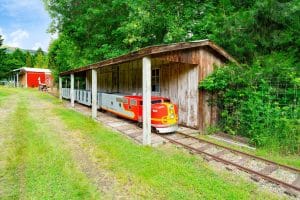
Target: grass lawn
{"points": [[40, 164], [37, 165]]}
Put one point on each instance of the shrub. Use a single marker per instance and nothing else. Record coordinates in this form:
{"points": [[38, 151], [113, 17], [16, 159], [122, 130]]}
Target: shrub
{"points": [[260, 102]]}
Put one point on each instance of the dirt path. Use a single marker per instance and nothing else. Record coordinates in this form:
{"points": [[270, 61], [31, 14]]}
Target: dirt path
{"points": [[81, 150], [6, 138]]}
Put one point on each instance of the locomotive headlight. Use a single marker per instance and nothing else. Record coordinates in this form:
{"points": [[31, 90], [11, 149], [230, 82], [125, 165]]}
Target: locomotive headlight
{"points": [[171, 106], [172, 116]]}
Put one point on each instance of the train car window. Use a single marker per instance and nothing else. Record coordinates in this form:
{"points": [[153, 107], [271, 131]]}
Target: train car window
{"points": [[155, 80], [133, 102], [153, 102], [156, 101], [122, 100], [167, 100]]}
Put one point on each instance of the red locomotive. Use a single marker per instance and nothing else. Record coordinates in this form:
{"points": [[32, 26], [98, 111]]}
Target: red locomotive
{"points": [[164, 114]]}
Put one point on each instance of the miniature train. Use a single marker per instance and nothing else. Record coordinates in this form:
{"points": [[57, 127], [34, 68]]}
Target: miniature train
{"points": [[164, 114]]}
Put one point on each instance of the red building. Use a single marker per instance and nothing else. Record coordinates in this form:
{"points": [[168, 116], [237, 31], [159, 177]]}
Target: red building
{"points": [[31, 77]]}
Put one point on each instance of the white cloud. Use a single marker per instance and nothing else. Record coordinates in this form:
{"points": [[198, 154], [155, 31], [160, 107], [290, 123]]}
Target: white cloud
{"points": [[17, 38], [36, 46]]}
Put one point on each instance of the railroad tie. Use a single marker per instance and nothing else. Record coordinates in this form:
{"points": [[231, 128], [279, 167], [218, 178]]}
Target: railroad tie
{"points": [[265, 171], [296, 182], [242, 161], [221, 153], [203, 148], [218, 154], [269, 169]]}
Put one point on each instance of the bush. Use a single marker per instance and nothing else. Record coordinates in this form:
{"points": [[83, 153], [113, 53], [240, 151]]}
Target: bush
{"points": [[260, 102]]}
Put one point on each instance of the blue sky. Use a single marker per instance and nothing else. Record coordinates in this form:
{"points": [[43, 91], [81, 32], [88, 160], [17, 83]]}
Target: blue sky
{"points": [[24, 24]]}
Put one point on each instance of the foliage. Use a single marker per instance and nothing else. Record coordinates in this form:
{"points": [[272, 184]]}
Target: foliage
{"points": [[11, 61], [260, 101], [29, 62], [20, 58], [40, 59]]}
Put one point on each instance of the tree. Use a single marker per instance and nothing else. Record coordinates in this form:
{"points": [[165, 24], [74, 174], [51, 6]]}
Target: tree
{"points": [[2, 59], [40, 59], [11, 61], [29, 62]]}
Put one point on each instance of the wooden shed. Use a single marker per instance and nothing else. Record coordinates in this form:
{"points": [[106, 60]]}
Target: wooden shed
{"points": [[176, 70]]}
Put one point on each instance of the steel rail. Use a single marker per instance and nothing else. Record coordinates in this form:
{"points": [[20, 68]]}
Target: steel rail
{"points": [[243, 153], [271, 179]]}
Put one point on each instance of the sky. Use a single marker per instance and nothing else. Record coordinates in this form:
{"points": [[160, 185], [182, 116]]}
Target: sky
{"points": [[24, 24]]}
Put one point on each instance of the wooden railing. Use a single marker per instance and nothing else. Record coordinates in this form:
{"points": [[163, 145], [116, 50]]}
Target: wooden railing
{"points": [[99, 99], [83, 97], [65, 93]]}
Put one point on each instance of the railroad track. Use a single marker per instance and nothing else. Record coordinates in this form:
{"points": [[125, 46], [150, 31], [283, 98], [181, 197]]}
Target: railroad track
{"points": [[259, 168]]}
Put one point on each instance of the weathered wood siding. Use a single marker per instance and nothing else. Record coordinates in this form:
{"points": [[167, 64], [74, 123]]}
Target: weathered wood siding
{"points": [[179, 83], [207, 114], [88, 80]]}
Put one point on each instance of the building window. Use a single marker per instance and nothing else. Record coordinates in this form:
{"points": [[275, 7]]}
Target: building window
{"points": [[155, 77]]}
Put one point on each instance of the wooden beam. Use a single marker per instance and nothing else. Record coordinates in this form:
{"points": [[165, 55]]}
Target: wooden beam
{"points": [[26, 80], [60, 87], [72, 93], [146, 101], [17, 79], [94, 94]]}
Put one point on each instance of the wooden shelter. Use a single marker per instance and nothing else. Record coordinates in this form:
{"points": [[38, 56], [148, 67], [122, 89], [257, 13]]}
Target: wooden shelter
{"points": [[172, 71]]}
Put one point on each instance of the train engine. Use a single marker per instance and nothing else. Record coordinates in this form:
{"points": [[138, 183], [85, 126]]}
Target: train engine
{"points": [[164, 114]]}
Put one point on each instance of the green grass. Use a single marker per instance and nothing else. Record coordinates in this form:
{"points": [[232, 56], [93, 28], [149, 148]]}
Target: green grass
{"points": [[5, 92], [291, 159], [39, 167], [163, 173]]}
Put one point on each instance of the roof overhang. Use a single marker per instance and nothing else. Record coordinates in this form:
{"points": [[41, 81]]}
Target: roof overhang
{"points": [[29, 69], [153, 50]]}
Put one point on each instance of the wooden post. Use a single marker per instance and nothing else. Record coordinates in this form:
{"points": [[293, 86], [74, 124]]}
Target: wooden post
{"points": [[26, 80], [72, 95], [14, 80], [60, 87], [146, 101], [94, 93], [17, 79], [86, 80]]}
